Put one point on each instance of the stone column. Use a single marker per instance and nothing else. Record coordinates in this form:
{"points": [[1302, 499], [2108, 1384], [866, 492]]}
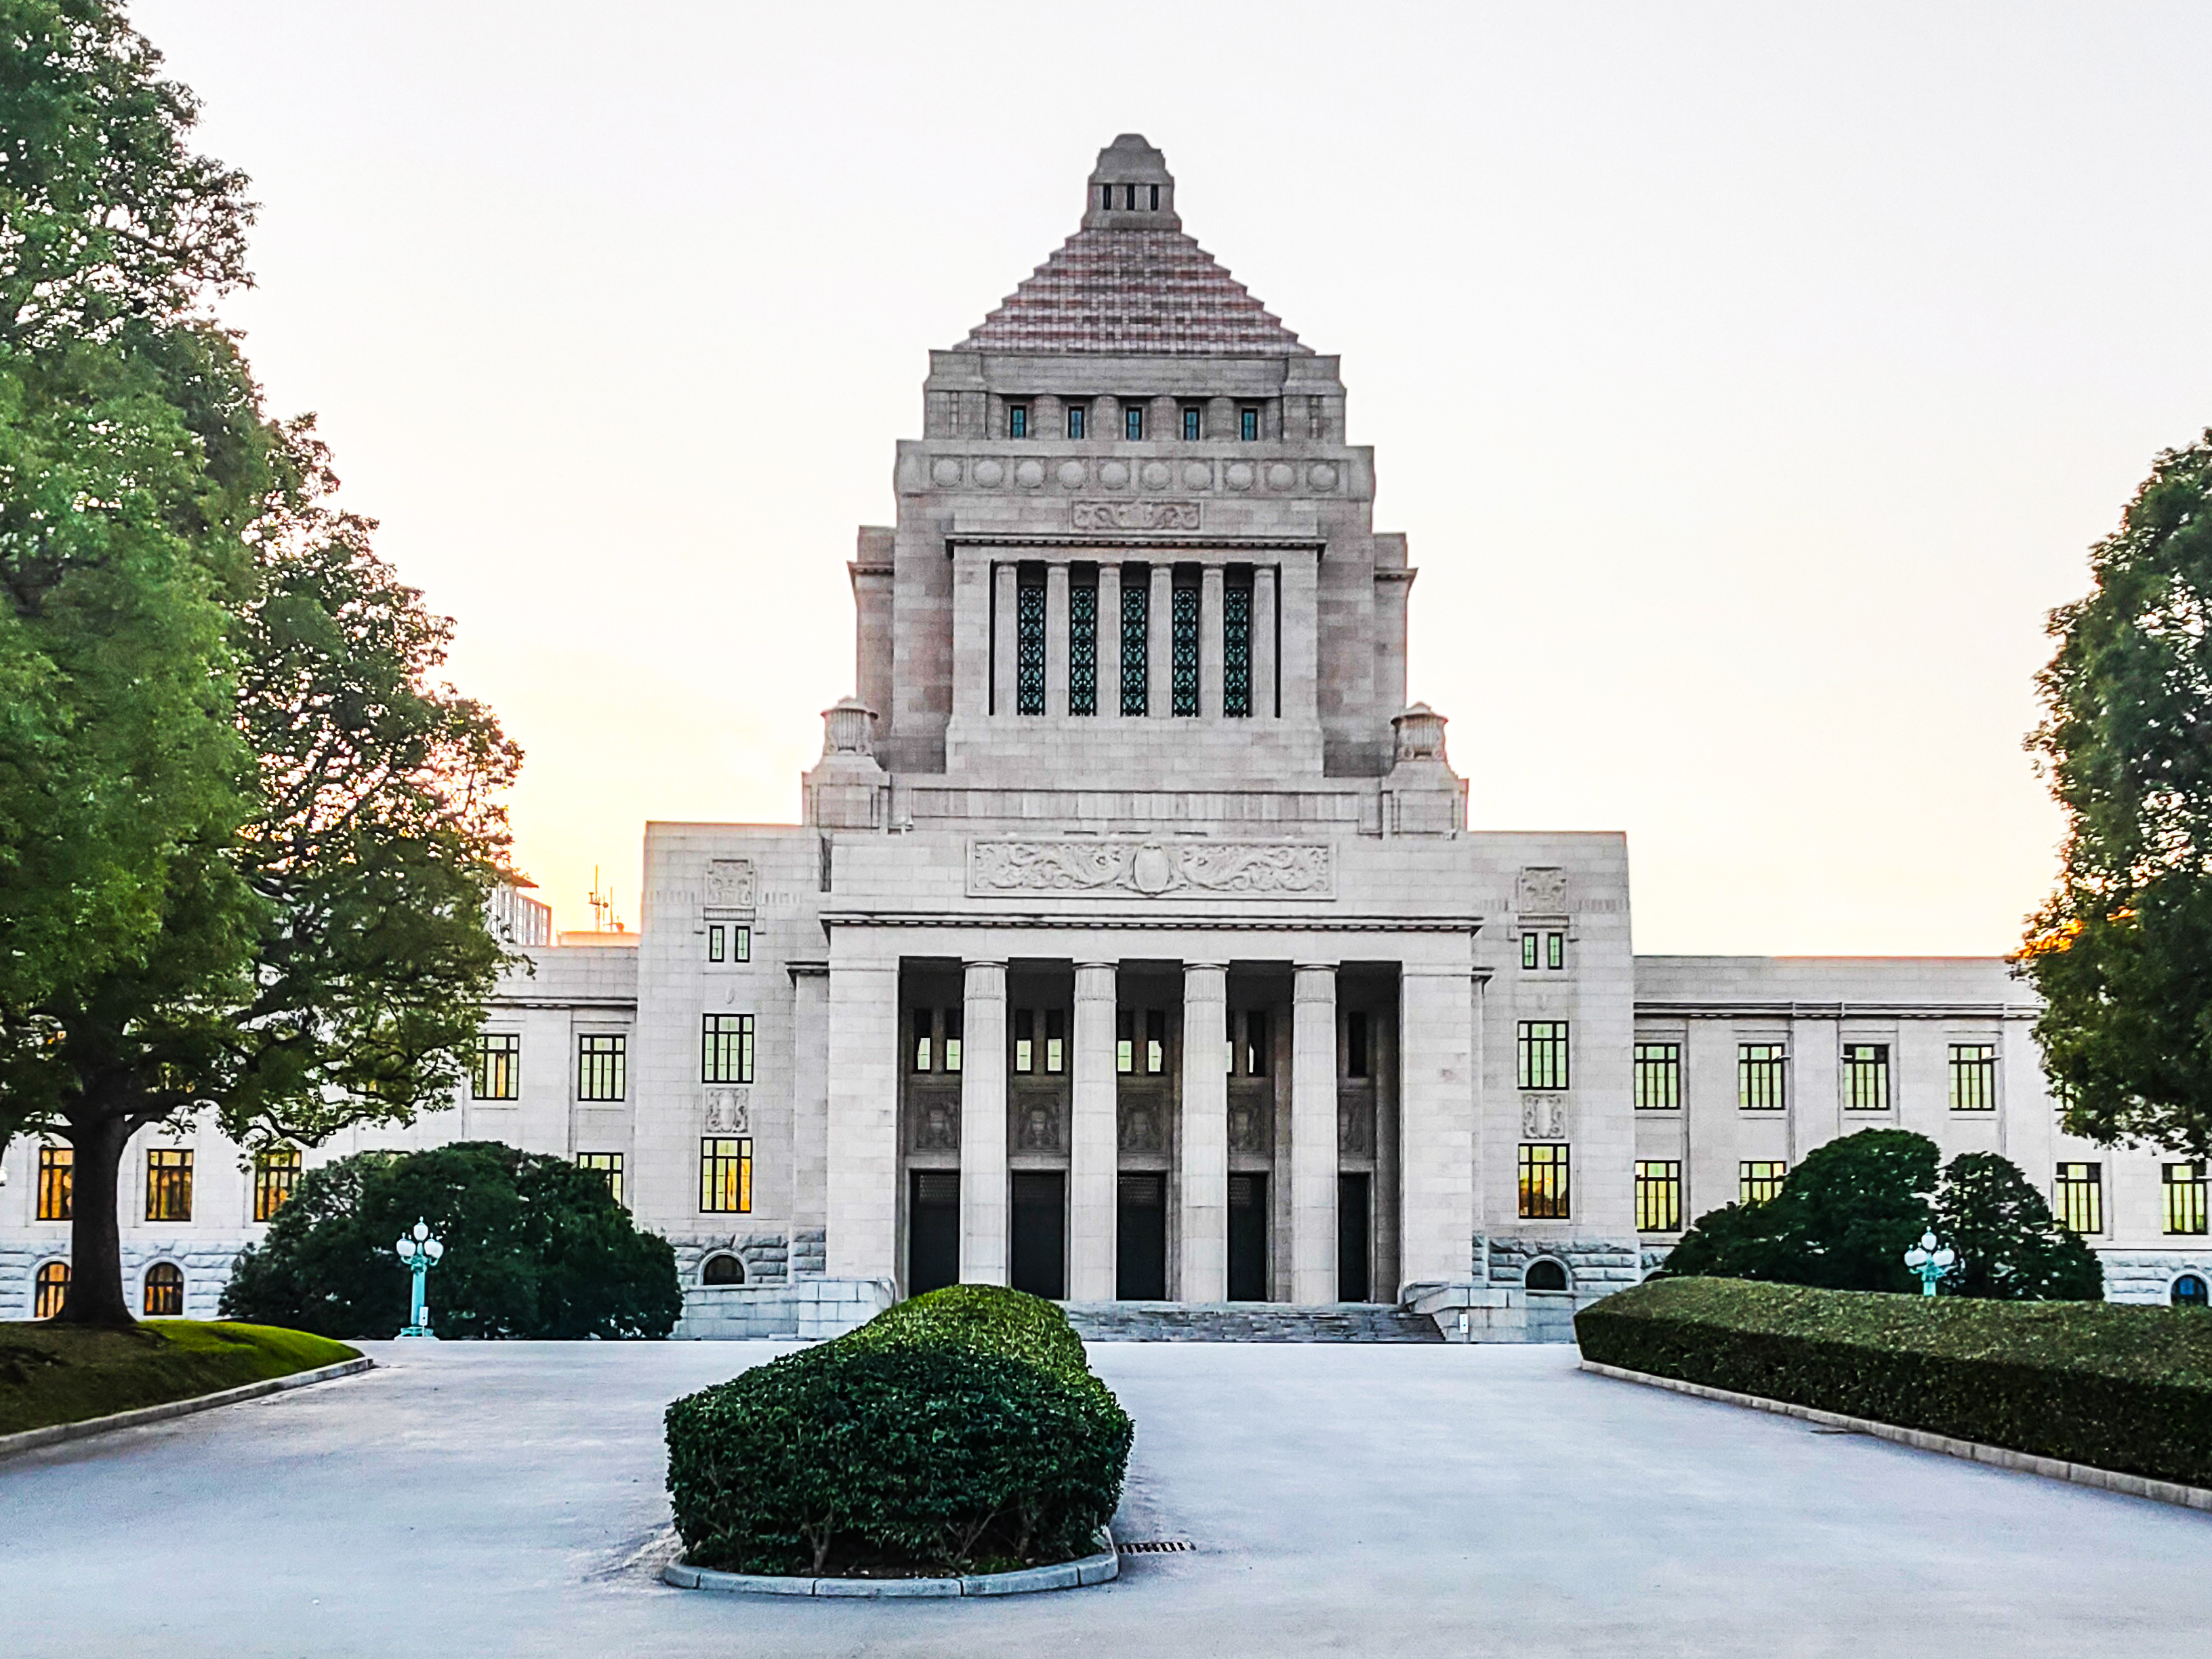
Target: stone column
{"points": [[1313, 1134], [1159, 654], [862, 1133], [1003, 649], [810, 1101], [983, 1126], [1263, 643], [1210, 623], [1055, 640], [1205, 1132], [971, 633], [1300, 598], [1109, 641], [1437, 1096], [1091, 1144]]}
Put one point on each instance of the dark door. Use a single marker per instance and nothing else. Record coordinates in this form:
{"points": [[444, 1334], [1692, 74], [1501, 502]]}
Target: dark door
{"points": [[1141, 1238], [1351, 1232], [932, 1240], [1248, 1238], [1040, 1263]]}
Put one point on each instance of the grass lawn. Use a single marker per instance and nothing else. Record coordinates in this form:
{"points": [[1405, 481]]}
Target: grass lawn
{"points": [[53, 1373]]}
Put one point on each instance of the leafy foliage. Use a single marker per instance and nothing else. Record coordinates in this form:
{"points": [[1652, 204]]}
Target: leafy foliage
{"points": [[2122, 952], [960, 1428], [2117, 1388], [2008, 1245], [535, 1247]]}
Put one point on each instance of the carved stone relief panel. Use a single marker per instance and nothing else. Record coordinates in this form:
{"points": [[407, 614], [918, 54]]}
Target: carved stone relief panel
{"points": [[1543, 1117], [1151, 869], [1355, 1125], [730, 884], [1134, 515], [1251, 1121], [1038, 1126], [1541, 888], [1144, 1125], [728, 1112], [935, 1121]]}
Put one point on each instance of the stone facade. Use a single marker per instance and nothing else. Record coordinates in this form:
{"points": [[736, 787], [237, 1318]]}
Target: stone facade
{"points": [[1133, 943]]}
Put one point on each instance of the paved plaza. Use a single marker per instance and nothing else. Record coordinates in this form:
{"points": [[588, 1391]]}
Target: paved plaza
{"points": [[506, 1499]]}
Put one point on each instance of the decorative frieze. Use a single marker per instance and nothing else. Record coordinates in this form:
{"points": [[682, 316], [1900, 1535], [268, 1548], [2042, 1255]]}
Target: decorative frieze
{"points": [[1134, 515], [1151, 869]]}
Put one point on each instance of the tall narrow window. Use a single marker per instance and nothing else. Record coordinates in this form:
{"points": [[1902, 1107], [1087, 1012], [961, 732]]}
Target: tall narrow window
{"points": [[1541, 1054], [602, 1066], [608, 1166], [2184, 1198], [1255, 1042], [1024, 1040], [57, 1165], [1866, 1076], [1973, 1077], [1156, 199], [1247, 424], [1132, 422], [1658, 1077], [725, 1175], [718, 942], [1136, 606], [164, 1291], [1017, 420], [1355, 1044], [1156, 1041], [498, 1067], [1077, 416], [1183, 642], [276, 1176], [1194, 423], [725, 1048], [953, 1019], [2080, 1191], [1056, 1040], [1761, 1076], [1125, 1040], [168, 1183], [1129, 197], [1083, 644], [1555, 950], [1659, 1196], [1029, 642], [1544, 1192], [1759, 1180], [1237, 650], [923, 1046]]}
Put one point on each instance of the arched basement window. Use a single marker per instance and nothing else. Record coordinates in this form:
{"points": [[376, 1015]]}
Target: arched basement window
{"points": [[51, 1289], [1546, 1276], [723, 1269], [165, 1289], [2189, 1290]]}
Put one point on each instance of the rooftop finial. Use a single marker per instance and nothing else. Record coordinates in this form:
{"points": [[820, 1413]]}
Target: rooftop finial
{"points": [[1131, 188]]}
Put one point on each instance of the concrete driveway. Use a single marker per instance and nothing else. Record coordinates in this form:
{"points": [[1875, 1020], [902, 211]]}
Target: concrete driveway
{"points": [[506, 1499]]}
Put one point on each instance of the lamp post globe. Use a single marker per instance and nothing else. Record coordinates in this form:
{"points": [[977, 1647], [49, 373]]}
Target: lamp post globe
{"points": [[1931, 1262], [421, 1252]]}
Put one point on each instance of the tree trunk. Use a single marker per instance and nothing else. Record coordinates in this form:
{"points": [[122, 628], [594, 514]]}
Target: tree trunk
{"points": [[95, 1287]]}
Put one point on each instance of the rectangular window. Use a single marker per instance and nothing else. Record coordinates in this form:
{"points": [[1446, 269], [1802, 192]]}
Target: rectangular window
{"points": [[57, 1165], [1247, 424], [725, 1048], [1156, 1041], [1077, 416], [1132, 423], [1659, 1196], [1192, 422], [1236, 651], [608, 1167], [168, 1183], [1541, 1054], [725, 1175], [1658, 1077], [741, 944], [498, 1073], [1024, 1040], [1531, 943], [1555, 950], [1761, 1076], [1544, 1195], [275, 1178], [1866, 1076], [602, 1066], [1017, 420], [921, 1020], [1757, 1182], [2080, 1195], [1136, 607], [1029, 642], [1973, 1077], [1055, 1041], [1255, 1042], [1355, 1044], [2184, 1198], [718, 942], [1182, 641], [1083, 644], [953, 1019], [1125, 1040]]}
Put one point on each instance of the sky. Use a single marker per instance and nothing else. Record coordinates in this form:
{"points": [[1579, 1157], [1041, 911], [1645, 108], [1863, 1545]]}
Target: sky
{"points": [[1750, 380]]}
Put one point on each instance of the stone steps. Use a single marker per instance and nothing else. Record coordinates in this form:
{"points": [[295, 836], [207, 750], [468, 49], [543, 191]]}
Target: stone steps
{"points": [[1247, 1322]]}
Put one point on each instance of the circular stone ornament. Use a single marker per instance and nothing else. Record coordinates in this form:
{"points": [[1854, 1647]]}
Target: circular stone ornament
{"points": [[1155, 475], [1197, 475], [1240, 475], [1030, 474], [990, 474], [1323, 475], [1279, 476], [1113, 475], [945, 472], [1071, 475]]}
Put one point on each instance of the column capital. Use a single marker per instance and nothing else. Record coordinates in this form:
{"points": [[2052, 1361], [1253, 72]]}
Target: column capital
{"points": [[1313, 981]]}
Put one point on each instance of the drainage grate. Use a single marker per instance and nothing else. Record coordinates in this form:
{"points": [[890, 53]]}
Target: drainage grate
{"points": [[1157, 1545]]}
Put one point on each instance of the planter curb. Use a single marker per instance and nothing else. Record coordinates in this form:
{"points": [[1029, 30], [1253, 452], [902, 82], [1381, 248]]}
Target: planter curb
{"points": [[1099, 1569], [58, 1434], [2002, 1457]]}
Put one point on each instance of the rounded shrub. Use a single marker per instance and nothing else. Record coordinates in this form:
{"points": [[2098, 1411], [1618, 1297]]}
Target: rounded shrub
{"points": [[959, 1430]]}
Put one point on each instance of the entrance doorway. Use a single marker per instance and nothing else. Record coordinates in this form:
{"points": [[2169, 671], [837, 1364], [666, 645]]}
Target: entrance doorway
{"points": [[1248, 1238], [932, 1238], [1141, 1232], [1352, 1234], [1040, 1233]]}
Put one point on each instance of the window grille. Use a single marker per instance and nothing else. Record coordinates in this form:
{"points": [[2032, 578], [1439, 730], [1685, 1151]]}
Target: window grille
{"points": [[2081, 1197], [1658, 1077], [1076, 414], [1192, 422], [164, 1296], [1132, 418], [607, 1165], [1355, 1044], [1659, 1195], [1136, 606], [952, 1019], [1237, 652], [725, 1048], [1761, 1076], [1758, 1180], [276, 1176], [1017, 420], [1866, 1076], [1156, 1041], [1028, 647], [1125, 1040], [1083, 647], [1973, 1077], [725, 1175], [168, 1183], [1182, 623], [1055, 1041], [57, 1170], [1541, 1054], [1247, 424], [50, 1291], [2184, 1198], [602, 1066], [1544, 1193], [498, 1067]]}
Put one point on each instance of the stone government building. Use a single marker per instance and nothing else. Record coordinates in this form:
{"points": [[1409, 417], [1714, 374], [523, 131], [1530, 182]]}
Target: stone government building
{"points": [[1133, 946]]}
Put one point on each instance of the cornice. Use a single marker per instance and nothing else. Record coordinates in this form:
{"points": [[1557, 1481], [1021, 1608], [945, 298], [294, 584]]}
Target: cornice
{"points": [[1657, 1009], [1178, 922]]}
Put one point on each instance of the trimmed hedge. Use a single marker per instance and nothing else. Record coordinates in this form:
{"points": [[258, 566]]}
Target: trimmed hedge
{"points": [[959, 1432], [2120, 1387]]}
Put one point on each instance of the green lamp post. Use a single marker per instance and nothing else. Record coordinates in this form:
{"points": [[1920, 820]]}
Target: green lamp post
{"points": [[1930, 1260], [419, 1251]]}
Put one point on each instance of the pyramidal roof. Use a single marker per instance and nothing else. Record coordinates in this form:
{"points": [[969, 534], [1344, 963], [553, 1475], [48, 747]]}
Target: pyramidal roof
{"points": [[1130, 283]]}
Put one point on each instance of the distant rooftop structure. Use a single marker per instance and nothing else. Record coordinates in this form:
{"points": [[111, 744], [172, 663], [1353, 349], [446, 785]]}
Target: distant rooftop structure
{"points": [[1130, 283]]}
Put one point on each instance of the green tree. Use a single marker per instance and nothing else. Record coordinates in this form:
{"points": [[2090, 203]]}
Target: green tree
{"points": [[2009, 1246], [2122, 952], [535, 1248]]}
